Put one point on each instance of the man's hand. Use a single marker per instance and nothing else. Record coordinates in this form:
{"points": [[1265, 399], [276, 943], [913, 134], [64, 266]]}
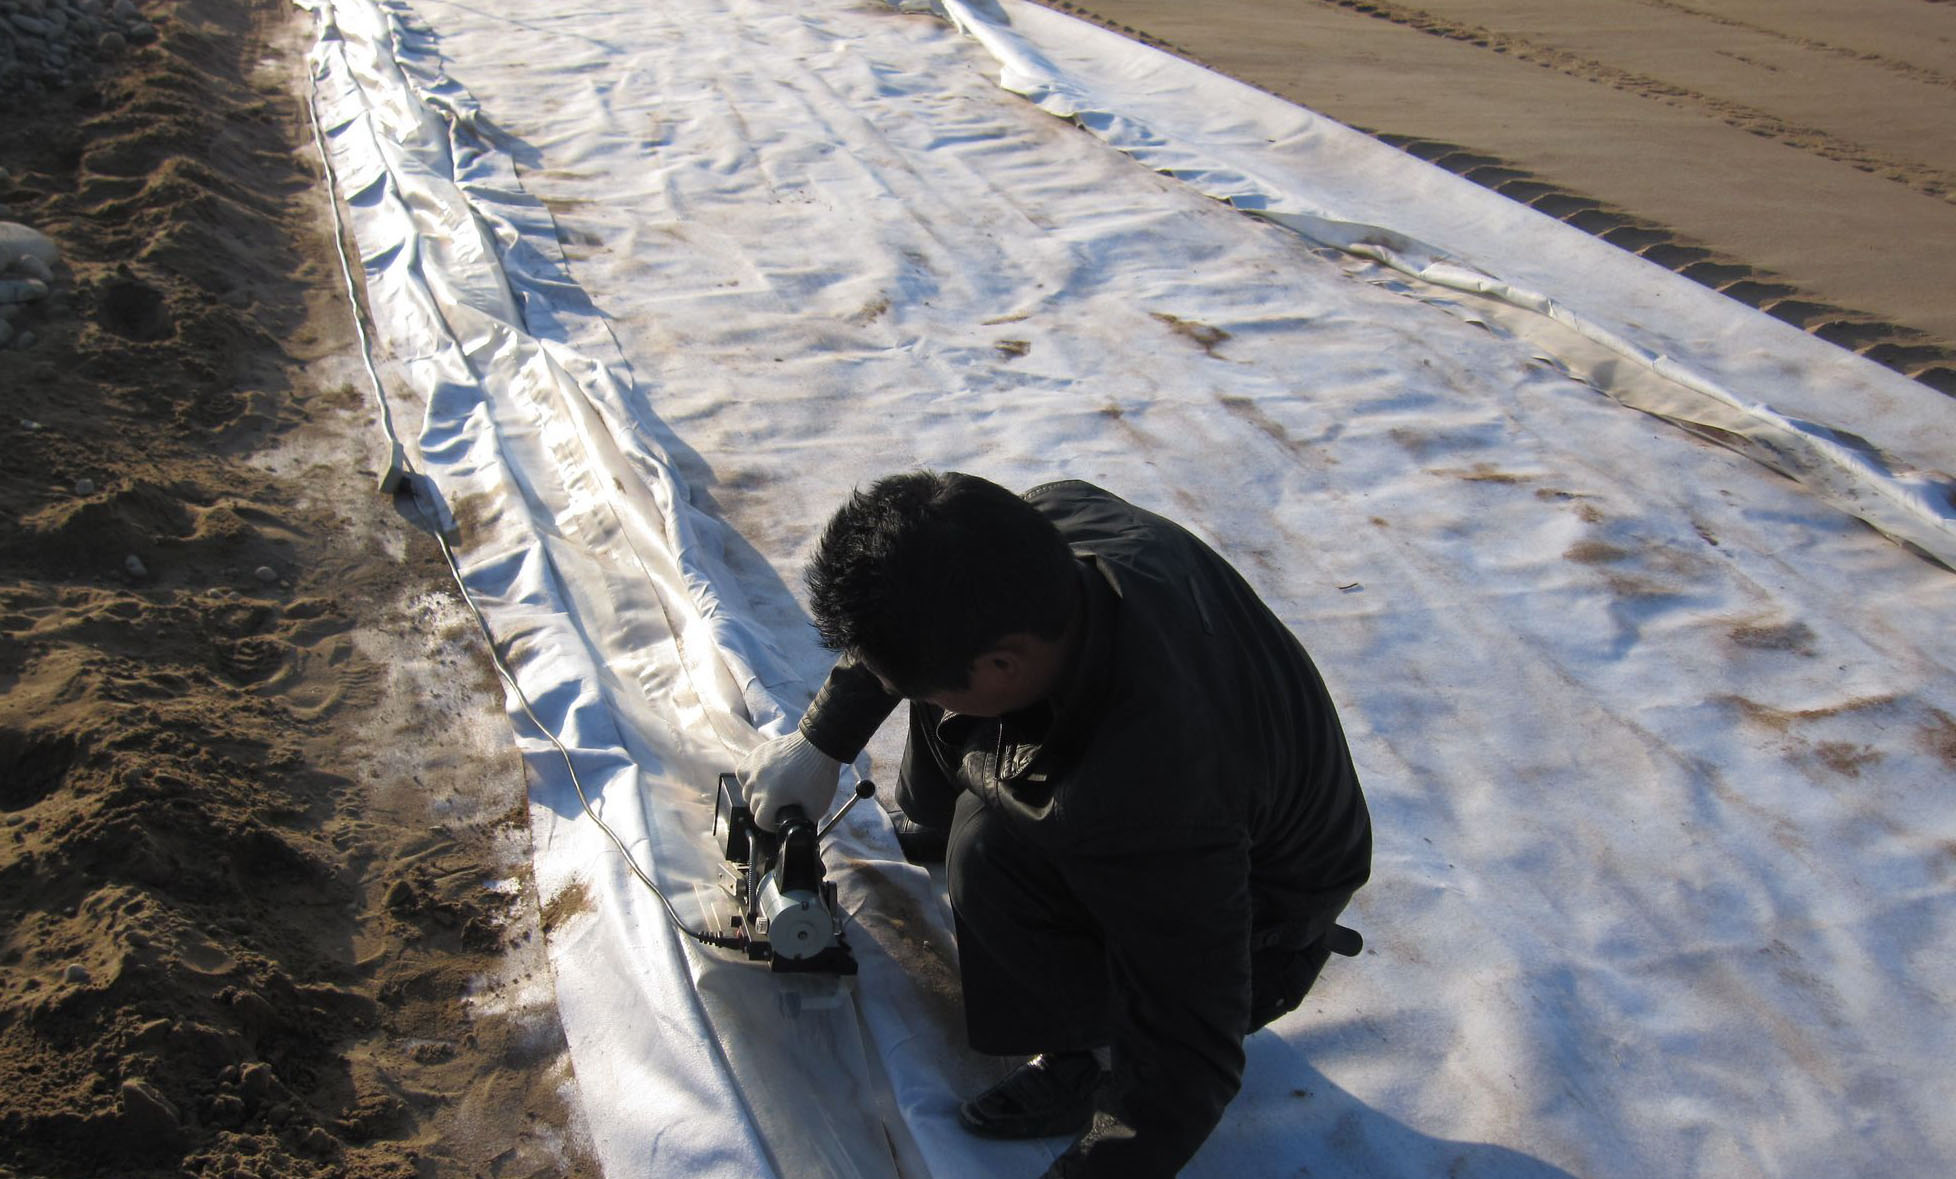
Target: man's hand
{"points": [[787, 771]]}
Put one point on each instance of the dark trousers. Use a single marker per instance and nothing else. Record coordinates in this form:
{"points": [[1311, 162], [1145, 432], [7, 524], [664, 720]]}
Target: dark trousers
{"points": [[1033, 966]]}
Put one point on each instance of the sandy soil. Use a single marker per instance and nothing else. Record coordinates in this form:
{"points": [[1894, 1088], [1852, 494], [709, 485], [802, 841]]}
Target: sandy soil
{"points": [[262, 835], [1798, 154]]}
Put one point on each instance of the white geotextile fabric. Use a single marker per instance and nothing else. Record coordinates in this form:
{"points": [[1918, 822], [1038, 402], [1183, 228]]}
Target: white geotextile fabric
{"points": [[1674, 349], [1658, 743]]}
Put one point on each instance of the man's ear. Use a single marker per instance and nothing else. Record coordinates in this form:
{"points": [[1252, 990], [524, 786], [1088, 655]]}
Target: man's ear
{"points": [[1005, 662], [1010, 664]]}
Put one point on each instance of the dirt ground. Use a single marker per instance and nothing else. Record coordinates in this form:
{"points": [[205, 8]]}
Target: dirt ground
{"points": [[1797, 155], [263, 901]]}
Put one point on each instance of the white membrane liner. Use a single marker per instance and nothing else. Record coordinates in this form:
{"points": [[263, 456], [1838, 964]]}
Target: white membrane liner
{"points": [[1658, 741]]}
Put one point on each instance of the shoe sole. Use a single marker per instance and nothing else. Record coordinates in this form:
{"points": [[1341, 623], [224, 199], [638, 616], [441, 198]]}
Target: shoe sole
{"points": [[1013, 1129]]}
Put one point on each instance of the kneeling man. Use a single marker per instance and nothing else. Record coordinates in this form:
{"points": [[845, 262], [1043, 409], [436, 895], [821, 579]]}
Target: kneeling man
{"points": [[1149, 813]]}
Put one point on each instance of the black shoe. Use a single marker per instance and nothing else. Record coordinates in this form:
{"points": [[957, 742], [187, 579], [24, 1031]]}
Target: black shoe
{"points": [[1049, 1095], [920, 844]]}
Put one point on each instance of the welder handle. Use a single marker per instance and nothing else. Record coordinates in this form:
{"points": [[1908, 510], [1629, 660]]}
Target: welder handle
{"points": [[787, 816], [864, 789], [768, 845]]}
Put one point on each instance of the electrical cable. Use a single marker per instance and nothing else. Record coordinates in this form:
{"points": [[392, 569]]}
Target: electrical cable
{"points": [[399, 478], [413, 481]]}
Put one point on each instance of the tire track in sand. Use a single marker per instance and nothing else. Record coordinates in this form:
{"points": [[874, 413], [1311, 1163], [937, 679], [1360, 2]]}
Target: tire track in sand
{"points": [[1922, 178], [1908, 70], [1908, 350]]}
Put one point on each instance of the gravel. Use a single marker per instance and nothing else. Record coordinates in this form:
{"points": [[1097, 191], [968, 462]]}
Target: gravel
{"points": [[27, 260], [52, 44]]}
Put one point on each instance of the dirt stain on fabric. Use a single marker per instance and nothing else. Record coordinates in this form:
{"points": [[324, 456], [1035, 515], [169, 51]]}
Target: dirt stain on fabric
{"points": [[1782, 720], [916, 941], [1482, 473], [1202, 335], [1594, 552], [871, 311], [1846, 758], [1940, 738], [471, 512], [932, 962], [570, 900], [1796, 637]]}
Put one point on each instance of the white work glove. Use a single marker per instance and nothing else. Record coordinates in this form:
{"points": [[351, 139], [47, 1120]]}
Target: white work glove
{"points": [[787, 771]]}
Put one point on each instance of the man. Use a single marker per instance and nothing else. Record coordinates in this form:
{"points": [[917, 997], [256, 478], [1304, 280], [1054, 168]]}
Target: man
{"points": [[1153, 819]]}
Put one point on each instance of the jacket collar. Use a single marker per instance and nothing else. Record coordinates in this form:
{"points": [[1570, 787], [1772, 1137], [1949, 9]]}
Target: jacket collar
{"points": [[1035, 744]]}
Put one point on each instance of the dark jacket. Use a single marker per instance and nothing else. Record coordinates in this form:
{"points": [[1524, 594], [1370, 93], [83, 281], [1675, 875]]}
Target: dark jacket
{"points": [[1192, 784]]}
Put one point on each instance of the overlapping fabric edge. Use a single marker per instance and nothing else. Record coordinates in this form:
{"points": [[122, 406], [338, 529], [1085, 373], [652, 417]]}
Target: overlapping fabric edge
{"points": [[1341, 189]]}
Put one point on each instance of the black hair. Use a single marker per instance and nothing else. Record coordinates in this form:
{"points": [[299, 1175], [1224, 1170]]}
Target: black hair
{"points": [[925, 571]]}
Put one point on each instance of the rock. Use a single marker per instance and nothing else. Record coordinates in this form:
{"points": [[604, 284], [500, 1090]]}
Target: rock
{"points": [[124, 10], [17, 239], [257, 1079], [433, 1053], [255, 1013], [146, 1112], [22, 290], [141, 33], [76, 973], [266, 574], [26, 340], [110, 44], [32, 266], [401, 896], [135, 567], [227, 1110], [84, 487]]}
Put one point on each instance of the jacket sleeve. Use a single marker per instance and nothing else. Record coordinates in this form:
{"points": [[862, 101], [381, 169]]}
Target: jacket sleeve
{"points": [[1177, 926], [847, 711]]}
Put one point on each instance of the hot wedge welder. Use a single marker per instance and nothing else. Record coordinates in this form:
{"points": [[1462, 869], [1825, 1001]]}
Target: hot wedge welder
{"points": [[786, 913]]}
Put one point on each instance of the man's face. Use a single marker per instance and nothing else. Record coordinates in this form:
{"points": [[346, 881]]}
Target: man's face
{"points": [[978, 698], [992, 687]]}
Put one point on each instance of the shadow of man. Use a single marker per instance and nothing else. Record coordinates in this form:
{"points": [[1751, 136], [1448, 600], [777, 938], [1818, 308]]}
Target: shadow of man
{"points": [[1292, 1120]]}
